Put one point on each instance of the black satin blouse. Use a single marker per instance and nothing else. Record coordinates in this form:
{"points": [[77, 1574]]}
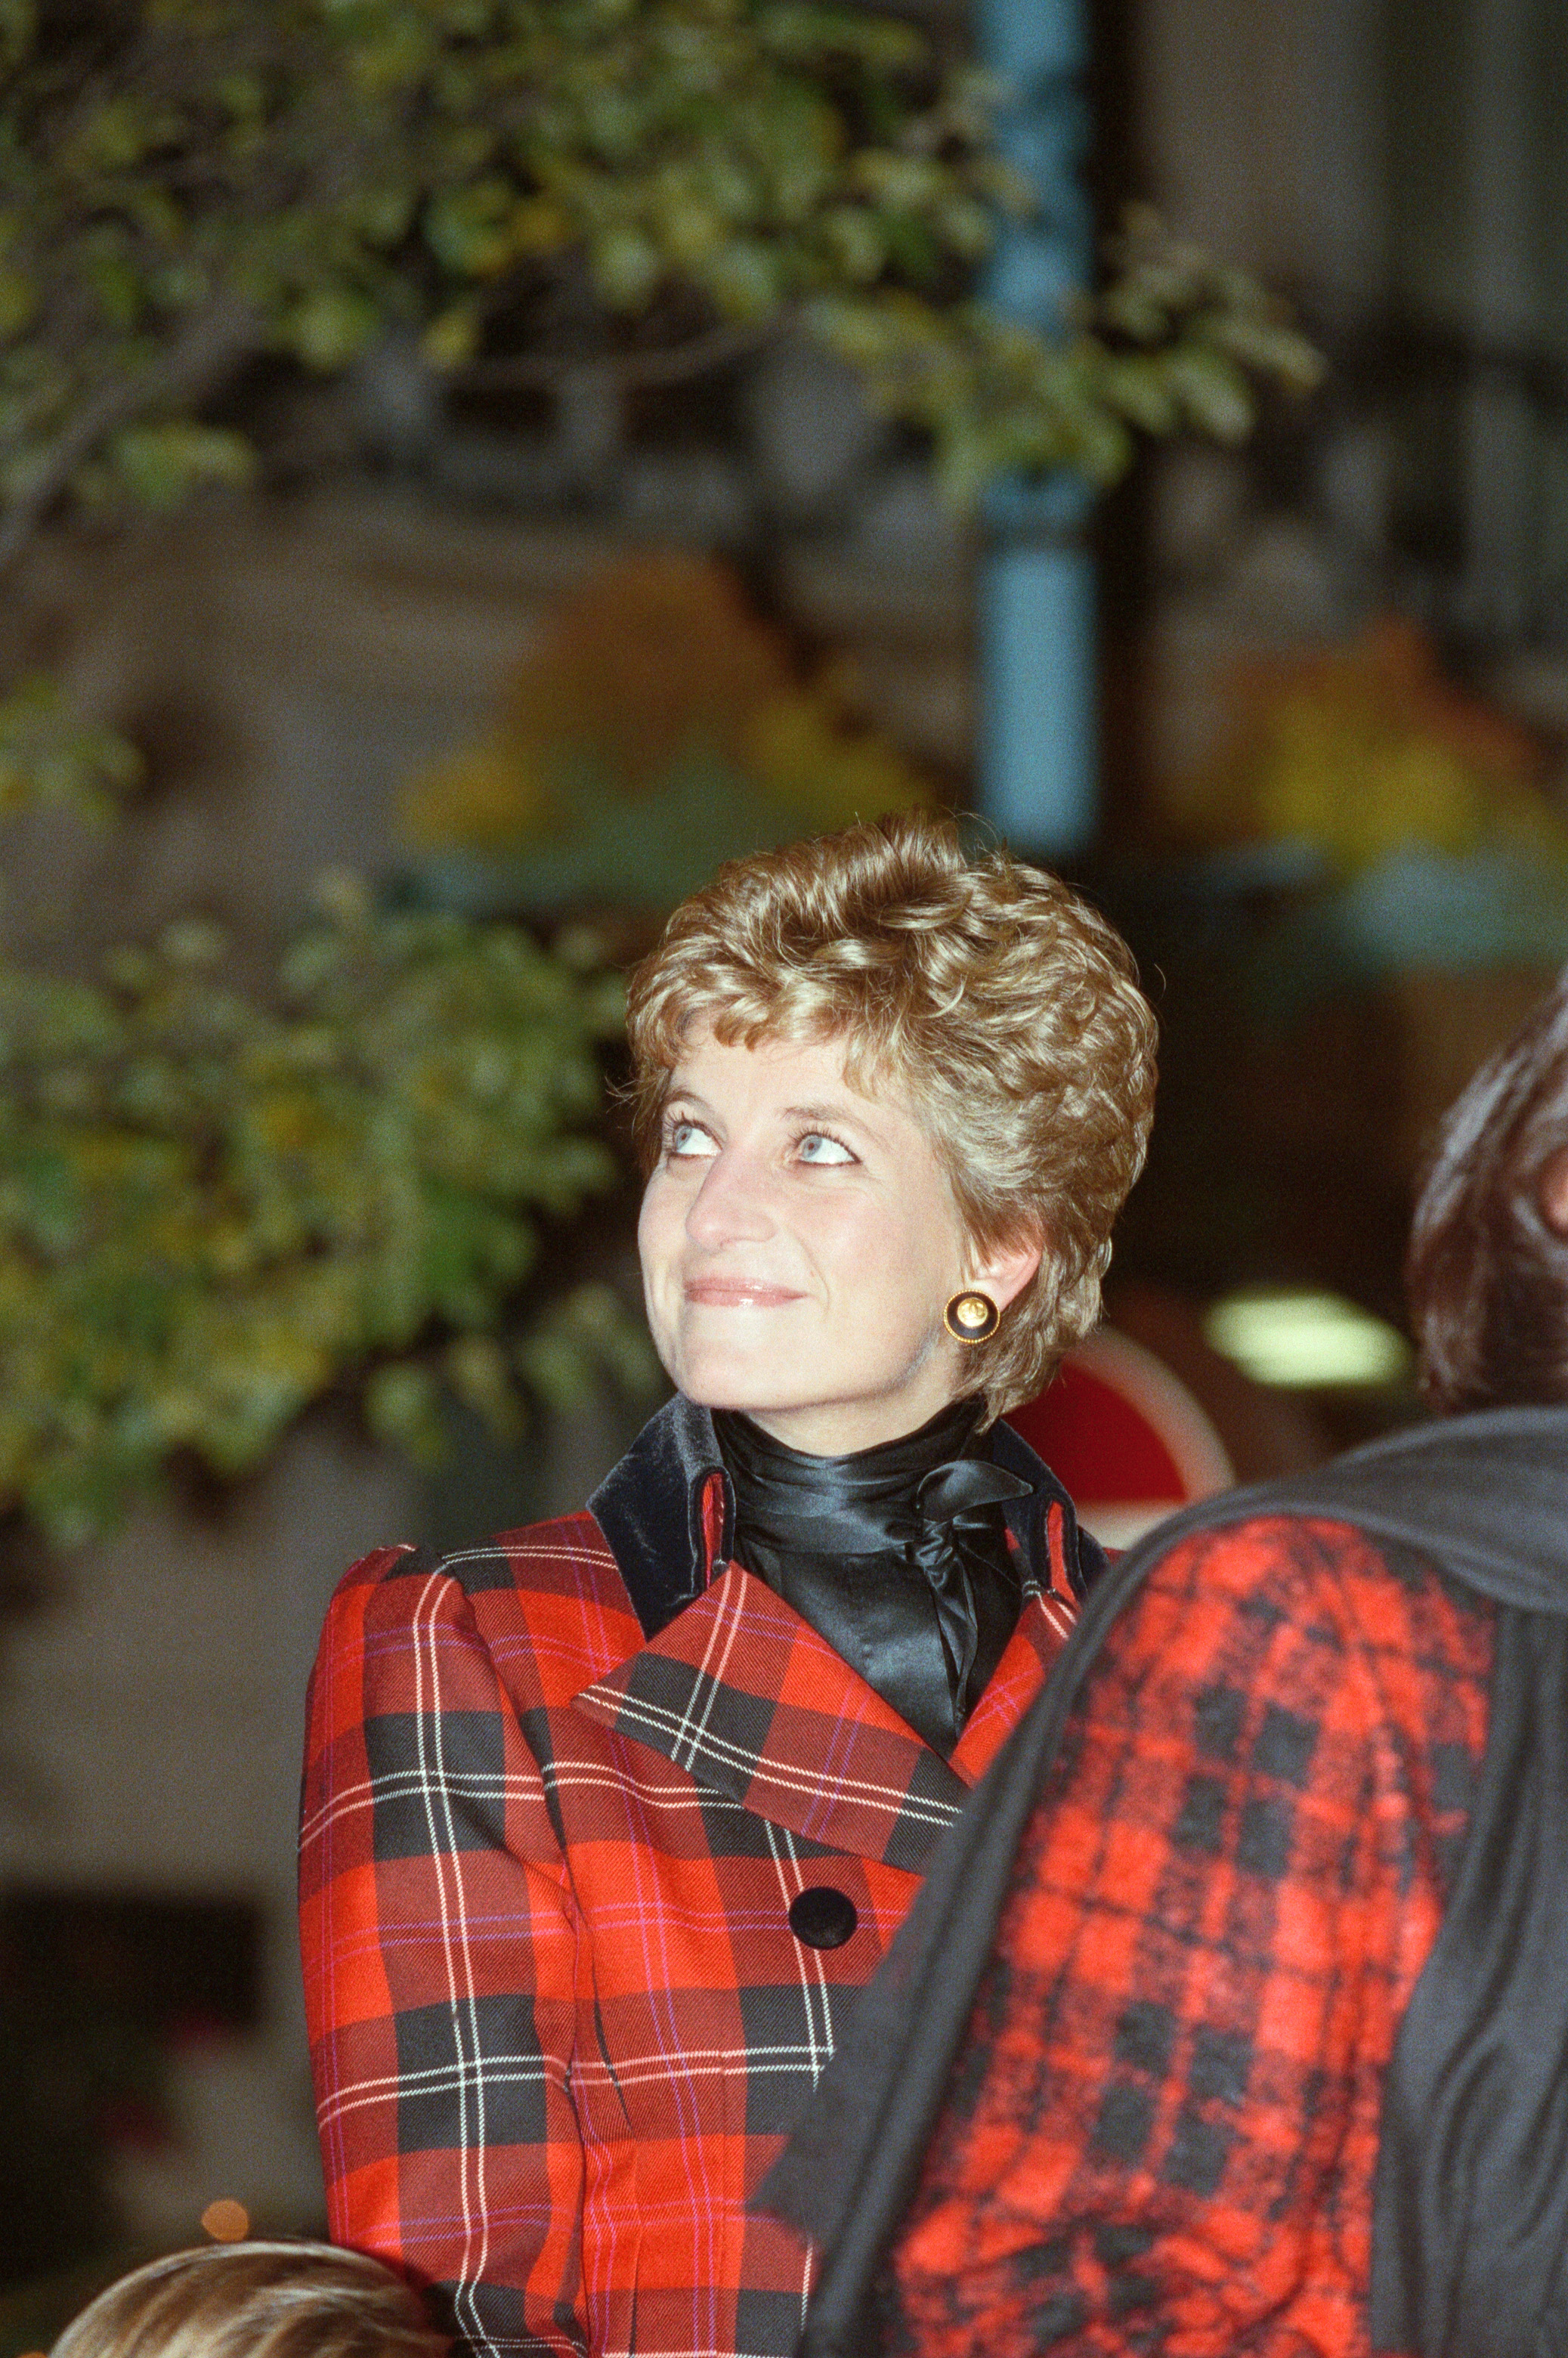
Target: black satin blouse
{"points": [[897, 1555]]}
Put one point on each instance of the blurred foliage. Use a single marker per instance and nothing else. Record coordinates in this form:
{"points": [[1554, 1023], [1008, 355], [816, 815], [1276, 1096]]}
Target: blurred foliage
{"points": [[1175, 340], [48, 756], [659, 727], [213, 1208], [1365, 750], [1395, 821], [527, 188]]}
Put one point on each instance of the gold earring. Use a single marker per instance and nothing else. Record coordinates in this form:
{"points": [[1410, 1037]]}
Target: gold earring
{"points": [[971, 1317]]}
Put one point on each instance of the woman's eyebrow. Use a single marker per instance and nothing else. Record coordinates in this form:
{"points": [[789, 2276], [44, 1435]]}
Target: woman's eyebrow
{"points": [[841, 1111]]}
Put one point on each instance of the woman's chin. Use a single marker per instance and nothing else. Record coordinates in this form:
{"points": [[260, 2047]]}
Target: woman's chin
{"points": [[724, 1378], [719, 1371], [719, 1387]]}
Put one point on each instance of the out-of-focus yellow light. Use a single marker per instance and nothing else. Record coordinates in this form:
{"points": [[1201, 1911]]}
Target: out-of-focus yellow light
{"points": [[1298, 1340], [226, 2220]]}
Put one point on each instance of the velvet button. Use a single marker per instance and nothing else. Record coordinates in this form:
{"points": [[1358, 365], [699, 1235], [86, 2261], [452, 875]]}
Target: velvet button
{"points": [[822, 1918]]}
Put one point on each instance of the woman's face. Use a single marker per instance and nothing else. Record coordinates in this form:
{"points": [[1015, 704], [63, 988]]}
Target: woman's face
{"points": [[798, 1243]]}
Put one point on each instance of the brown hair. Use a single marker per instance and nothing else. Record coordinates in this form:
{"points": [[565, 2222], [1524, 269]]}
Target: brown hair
{"points": [[1003, 1009], [1487, 1274], [254, 2300]]}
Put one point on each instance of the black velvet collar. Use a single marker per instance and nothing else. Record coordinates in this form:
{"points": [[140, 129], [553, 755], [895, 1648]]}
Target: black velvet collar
{"points": [[649, 1508]]}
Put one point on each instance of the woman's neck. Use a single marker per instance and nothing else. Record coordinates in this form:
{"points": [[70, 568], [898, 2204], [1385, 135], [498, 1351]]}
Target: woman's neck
{"points": [[846, 1428], [948, 1434]]}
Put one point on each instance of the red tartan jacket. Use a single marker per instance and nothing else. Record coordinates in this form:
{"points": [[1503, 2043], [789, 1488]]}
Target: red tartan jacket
{"points": [[560, 1791], [1164, 2125]]}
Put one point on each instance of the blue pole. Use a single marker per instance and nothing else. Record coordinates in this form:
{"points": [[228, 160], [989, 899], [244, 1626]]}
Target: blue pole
{"points": [[1037, 591]]}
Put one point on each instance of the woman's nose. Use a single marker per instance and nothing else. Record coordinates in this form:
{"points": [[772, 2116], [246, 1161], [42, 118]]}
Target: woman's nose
{"points": [[732, 1204]]}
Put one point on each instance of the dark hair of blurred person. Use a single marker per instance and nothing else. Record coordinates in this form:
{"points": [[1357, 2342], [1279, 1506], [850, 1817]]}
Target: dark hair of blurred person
{"points": [[1487, 1274]]}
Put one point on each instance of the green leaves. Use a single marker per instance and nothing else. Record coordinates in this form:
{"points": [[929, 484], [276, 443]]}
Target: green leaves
{"points": [[470, 230], [330, 325], [50, 757], [1175, 340], [158, 467], [317, 172], [213, 1209]]}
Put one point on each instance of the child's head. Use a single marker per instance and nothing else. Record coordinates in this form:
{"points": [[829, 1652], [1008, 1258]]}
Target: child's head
{"points": [[255, 2301]]}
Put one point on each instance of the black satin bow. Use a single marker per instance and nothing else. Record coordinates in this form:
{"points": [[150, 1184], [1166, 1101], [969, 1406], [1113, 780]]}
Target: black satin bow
{"points": [[955, 1549], [896, 1555]]}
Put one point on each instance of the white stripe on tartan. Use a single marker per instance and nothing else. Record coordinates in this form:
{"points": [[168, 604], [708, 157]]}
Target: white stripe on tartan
{"points": [[781, 2056], [484, 1785], [791, 1882], [779, 2059], [1056, 1613], [589, 1549], [446, 1859], [435, 2080], [724, 1631], [661, 1717]]}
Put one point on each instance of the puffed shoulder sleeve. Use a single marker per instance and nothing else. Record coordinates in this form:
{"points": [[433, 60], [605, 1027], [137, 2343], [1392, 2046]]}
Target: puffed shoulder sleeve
{"points": [[438, 1939]]}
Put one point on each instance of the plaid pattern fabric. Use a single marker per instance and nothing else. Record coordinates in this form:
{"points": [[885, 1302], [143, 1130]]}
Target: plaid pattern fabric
{"points": [[560, 2021], [1164, 2128]]}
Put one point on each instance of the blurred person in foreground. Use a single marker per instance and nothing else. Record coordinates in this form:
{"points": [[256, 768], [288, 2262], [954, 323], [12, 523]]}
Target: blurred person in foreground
{"points": [[606, 1822], [1233, 2016], [253, 2300]]}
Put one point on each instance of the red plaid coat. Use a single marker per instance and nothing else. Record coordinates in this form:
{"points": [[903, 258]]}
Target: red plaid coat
{"points": [[1164, 2123], [560, 1791]]}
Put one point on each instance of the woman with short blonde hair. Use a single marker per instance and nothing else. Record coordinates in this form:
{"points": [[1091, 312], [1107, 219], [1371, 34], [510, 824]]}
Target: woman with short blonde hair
{"points": [[606, 1822], [985, 994]]}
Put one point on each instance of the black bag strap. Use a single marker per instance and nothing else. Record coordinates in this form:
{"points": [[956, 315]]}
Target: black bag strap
{"points": [[1470, 2203], [1486, 1495]]}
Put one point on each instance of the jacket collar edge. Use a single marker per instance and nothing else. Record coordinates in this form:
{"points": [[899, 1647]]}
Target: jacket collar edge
{"points": [[650, 1510]]}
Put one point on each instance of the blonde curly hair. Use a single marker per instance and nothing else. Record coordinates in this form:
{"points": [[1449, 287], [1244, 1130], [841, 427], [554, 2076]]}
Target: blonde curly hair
{"points": [[1001, 1007], [254, 2300]]}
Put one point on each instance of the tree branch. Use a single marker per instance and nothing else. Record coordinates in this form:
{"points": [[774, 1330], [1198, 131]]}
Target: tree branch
{"points": [[207, 348], [671, 364]]}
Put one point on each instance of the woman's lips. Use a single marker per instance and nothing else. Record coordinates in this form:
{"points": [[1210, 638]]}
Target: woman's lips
{"points": [[738, 1293]]}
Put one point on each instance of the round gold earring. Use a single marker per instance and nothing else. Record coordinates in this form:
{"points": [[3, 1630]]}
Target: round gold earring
{"points": [[971, 1317]]}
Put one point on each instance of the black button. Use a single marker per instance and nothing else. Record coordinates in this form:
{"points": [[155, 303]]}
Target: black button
{"points": [[823, 1918]]}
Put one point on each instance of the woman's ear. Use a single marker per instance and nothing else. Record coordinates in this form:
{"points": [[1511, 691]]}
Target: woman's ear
{"points": [[1551, 1192], [1004, 1273]]}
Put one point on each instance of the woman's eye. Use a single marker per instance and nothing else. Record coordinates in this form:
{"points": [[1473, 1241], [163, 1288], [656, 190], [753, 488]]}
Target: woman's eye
{"points": [[688, 1140], [815, 1147]]}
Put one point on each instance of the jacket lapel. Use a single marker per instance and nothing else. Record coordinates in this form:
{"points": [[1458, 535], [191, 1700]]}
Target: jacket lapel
{"points": [[735, 1688], [653, 1509], [1042, 1632], [743, 1694]]}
